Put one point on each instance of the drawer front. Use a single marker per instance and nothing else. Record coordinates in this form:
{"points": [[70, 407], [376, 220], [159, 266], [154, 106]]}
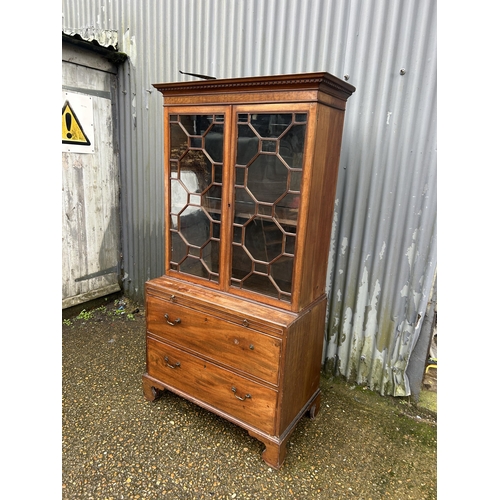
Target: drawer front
{"points": [[217, 339], [245, 400]]}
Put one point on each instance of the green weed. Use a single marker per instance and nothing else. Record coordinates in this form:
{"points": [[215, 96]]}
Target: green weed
{"points": [[85, 315]]}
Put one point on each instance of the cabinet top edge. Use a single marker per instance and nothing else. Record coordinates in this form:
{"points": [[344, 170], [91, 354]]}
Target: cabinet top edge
{"points": [[320, 81]]}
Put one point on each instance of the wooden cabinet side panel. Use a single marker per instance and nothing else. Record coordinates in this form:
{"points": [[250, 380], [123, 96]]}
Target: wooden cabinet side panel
{"points": [[326, 157], [302, 362]]}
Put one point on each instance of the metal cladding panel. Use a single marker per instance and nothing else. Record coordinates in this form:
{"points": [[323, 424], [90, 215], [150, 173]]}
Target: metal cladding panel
{"points": [[385, 235], [383, 249]]}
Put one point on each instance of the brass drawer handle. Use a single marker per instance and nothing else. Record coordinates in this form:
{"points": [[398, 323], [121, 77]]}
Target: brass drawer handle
{"points": [[176, 322], [238, 397], [171, 366]]}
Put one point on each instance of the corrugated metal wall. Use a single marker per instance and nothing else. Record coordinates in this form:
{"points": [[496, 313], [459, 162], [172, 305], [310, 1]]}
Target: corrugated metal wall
{"points": [[384, 237], [386, 219]]}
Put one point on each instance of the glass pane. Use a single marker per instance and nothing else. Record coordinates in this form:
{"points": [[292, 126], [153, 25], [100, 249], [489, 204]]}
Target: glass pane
{"points": [[195, 142], [178, 141], [244, 204], [287, 209], [216, 230], [210, 256], [174, 221], [195, 171], [248, 145], [271, 125], [267, 198], [218, 173], [195, 267], [195, 251], [267, 178], [242, 263], [214, 144], [269, 146], [211, 201], [266, 210], [178, 196], [281, 272], [291, 146], [195, 193], [261, 284], [240, 176], [194, 199], [174, 169], [295, 180], [290, 244], [261, 268], [179, 247], [196, 124], [194, 226], [263, 239], [237, 234]]}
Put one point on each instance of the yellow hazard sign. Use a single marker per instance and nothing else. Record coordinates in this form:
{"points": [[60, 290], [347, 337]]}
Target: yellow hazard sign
{"points": [[72, 131]]}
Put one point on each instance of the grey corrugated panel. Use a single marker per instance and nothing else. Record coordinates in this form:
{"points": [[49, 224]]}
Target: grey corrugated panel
{"points": [[386, 233], [384, 238]]}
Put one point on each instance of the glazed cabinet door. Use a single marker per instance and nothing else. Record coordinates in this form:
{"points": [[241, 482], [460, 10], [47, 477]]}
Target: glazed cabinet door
{"points": [[269, 166], [196, 153]]}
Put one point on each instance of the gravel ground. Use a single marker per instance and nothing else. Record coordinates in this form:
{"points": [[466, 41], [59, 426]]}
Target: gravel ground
{"points": [[117, 445]]}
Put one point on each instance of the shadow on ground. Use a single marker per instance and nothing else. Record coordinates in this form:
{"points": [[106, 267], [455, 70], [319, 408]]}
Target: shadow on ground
{"points": [[117, 445]]}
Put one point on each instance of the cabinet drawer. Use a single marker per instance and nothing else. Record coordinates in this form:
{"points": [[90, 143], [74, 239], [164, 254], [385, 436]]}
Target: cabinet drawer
{"points": [[244, 399], [217, 339]]}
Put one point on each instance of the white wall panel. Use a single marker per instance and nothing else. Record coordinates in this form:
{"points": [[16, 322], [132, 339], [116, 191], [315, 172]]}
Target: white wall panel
{"points": [[90, 181]]}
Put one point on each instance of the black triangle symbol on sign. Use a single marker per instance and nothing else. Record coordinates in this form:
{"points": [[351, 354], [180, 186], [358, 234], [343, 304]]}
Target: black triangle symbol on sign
{"points": [[72, 130]]}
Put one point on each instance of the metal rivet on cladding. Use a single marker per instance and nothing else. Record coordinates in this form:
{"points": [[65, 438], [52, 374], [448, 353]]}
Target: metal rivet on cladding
{"points": [[402, 71]]}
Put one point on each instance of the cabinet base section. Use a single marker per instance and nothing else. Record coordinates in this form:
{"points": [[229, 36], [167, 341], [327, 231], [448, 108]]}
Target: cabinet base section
{"points": [[275, 446]]}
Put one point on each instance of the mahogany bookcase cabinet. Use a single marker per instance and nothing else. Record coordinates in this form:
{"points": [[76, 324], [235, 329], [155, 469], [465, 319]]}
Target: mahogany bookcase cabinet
{"points": [[236, 323]]}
